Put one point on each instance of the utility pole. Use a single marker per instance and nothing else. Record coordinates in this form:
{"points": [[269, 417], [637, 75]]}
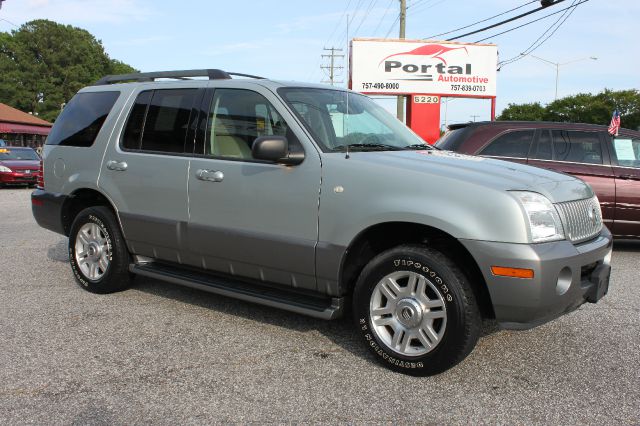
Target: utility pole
{"points": [[474, 117], [403, 20], [332, 66]]}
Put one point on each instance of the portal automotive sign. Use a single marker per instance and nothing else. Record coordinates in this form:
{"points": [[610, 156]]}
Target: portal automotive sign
{"points": [[406, 67]]}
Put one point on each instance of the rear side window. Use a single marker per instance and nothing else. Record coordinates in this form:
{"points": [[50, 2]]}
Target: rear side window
{"points": [[159, 121], [544, 150], [82, 119], [513, 144], [576, 147], [453, 139]]}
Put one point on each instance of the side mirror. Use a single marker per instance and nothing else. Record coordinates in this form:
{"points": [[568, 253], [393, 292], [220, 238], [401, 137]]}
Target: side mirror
{"points": [[276, 150]]}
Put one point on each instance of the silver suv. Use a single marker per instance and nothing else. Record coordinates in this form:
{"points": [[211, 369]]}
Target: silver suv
{"points": [[314, 199]]}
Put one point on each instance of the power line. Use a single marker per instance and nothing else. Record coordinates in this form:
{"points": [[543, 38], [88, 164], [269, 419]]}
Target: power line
{"points": [[393, 24], [425, 6], [484, 20], [540, 41], [344, 12], [531, 22], [372, 4], [383, 16], [506, 21]]}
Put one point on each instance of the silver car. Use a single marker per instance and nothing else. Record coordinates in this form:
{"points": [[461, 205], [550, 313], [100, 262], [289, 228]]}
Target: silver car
{"points": [[314, 200]]}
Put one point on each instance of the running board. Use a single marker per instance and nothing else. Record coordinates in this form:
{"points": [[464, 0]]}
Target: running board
{"points": [[314, 306]]}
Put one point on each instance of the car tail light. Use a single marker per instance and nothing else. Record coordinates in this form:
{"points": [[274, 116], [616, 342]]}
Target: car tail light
{"points": [[40, 182]]}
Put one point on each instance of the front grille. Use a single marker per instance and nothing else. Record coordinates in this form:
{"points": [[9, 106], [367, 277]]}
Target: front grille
{"points": [[582, 219]]}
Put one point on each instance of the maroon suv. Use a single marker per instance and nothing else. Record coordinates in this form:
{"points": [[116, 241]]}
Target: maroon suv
{"points": [[611, 165], [18, 166]]}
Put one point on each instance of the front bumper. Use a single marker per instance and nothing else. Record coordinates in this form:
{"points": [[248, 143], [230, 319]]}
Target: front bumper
{"points": [[565, 277]]}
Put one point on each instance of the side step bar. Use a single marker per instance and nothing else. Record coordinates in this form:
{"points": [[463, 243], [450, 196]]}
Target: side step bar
{"points": [[314, 306]]}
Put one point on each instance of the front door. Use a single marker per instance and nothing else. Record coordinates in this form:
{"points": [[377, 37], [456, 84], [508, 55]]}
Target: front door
{"points": [[626, 153], [248, 218]]}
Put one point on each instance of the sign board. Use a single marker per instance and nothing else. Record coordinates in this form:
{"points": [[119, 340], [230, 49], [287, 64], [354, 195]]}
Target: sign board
{"points": [[391, 67]]}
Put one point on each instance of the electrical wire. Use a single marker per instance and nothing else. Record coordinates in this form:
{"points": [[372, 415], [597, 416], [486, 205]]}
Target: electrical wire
{"points": [[372, 4], [484, 20], [393, 24], [540, 40], [383, 16], [530, 22], [506, 21]]}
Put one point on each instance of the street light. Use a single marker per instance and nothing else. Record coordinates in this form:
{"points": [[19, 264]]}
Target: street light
{"points": [[559, 64]]}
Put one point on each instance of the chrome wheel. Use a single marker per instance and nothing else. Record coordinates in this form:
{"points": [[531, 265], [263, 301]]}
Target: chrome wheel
{"points": [[93, 254], [408, 313]]}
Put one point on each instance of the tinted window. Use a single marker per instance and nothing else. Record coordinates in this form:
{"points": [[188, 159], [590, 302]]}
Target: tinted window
{"points": [[133, 130], [627, 151], [513, 144], [167, 121], [82, 119], [237, 118], [576, 147], [452, 140], [544, 150]]}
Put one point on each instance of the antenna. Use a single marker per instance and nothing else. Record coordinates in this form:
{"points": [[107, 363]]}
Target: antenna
{"points": [[345, 117]]}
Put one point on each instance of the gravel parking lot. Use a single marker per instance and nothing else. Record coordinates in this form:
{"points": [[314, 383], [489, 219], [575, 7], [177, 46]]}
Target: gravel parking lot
{"points": [[159, 353]]}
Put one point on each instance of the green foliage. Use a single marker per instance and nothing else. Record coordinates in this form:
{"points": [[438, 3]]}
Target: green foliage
{"points": [[582, 108], [43, 64]]}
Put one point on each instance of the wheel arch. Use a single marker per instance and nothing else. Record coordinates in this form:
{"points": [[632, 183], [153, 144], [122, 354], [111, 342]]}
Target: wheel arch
{"points": [[383, 236], [79, 200]]}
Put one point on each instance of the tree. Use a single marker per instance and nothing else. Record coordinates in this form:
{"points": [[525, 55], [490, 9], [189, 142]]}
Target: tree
{"points": [[523, 112], [582, 108], [43, 64]]}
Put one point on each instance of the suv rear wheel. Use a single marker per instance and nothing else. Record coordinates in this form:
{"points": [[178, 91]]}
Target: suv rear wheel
{"points": [[97, 251], [416, 310]]}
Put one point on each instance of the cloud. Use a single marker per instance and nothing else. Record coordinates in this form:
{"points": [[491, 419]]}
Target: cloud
{"points": [[76, 11]]}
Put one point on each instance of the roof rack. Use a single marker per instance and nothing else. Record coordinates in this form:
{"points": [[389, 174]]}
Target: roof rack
{"points": [[212, 74]]}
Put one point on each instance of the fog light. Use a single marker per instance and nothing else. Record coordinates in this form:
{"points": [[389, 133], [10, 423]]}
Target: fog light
{"points": [[564, 280]]}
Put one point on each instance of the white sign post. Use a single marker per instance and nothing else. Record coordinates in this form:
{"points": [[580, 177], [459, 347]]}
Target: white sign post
{"points": [[396, 67]]}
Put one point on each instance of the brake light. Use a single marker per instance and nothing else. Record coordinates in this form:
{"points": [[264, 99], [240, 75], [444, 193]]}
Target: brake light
{"points": [[40, 181]]}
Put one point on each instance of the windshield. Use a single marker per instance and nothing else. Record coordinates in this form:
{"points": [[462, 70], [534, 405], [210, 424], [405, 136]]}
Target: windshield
{"points": [[18, 154], [339, 119]]}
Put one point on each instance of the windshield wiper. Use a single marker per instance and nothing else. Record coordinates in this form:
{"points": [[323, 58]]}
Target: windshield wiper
{"points": [[371, 146], [420, 146]]}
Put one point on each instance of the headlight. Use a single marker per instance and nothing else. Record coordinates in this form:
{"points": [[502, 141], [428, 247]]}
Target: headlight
{"points": [[5, 169], [542, 217]]}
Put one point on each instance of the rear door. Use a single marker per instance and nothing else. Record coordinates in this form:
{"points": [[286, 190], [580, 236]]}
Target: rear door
{"points": [[581, 154], [626, 167], [145, 171]]}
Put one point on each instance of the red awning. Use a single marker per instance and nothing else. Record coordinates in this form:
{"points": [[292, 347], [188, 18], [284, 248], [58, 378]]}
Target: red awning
{"points": [[24, 129]]}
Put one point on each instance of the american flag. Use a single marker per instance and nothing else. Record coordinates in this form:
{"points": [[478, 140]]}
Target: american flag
{"points": [[614, 127]]}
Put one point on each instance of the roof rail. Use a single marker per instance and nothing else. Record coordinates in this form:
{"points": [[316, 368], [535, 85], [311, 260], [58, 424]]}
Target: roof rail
{"points": [[212, 74]]}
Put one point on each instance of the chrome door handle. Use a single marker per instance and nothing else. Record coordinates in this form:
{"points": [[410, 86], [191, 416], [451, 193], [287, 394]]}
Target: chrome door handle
{"points": [[120, 166], [209, 175]]}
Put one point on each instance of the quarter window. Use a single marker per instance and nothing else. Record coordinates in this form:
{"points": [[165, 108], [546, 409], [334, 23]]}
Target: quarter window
{"points": [[82, 119], [513, 144], [576, 147]]}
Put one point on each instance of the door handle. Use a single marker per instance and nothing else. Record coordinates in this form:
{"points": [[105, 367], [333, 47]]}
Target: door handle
{"points": [[120, 166], [209, 175]]}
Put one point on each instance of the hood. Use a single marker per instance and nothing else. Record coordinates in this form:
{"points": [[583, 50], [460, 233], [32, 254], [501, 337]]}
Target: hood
{"points": [[486, 172], [21, 164]]}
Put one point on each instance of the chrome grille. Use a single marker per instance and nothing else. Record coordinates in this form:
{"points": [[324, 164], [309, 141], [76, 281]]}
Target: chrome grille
{"points": [[582, 219]]}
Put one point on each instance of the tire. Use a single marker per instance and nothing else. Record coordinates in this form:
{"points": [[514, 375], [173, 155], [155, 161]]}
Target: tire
{"points": [[97, 252], [416, 311]]}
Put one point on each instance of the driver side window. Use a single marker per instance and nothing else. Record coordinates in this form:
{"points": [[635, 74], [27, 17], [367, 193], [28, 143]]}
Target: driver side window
{"points": [[236, 119]]}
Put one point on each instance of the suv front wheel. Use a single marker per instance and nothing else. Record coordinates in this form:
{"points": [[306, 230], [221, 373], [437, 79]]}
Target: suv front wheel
{"points": [[97, 251], [416, 310]]}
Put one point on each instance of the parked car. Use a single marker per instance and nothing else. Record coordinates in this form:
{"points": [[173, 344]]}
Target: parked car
{"points": [[306, 198], [18, 166], [611, 165]]}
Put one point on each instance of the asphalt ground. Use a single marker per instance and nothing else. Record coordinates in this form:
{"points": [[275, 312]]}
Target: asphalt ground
{"points": [[163, 354]]}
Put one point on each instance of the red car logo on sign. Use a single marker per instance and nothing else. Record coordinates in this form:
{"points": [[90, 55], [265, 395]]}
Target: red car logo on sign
{"points": [[433, 50]]}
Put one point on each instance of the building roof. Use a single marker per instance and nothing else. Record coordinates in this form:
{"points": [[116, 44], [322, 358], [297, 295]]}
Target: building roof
{"points": [[12, 115]]}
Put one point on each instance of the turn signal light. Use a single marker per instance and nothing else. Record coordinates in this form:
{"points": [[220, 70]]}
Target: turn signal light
{"points": [[512, 272], [40, 182]]}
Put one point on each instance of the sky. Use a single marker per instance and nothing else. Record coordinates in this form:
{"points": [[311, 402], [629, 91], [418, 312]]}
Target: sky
{"points": [[284, 39]]}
